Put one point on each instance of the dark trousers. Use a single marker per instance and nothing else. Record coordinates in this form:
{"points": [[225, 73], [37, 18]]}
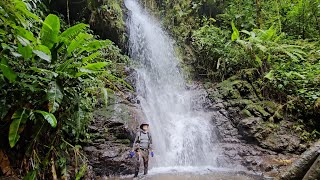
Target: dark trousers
{"points": [[142, 155]]}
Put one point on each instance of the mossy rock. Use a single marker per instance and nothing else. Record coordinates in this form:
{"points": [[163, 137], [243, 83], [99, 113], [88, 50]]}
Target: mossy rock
{"points": [[270, 106], [250, 75], [245, 89], [235, 89], [257, 110], [257, 85], [246, 113], [241, 103], [107, 20], [123, 141], [227, 90]]}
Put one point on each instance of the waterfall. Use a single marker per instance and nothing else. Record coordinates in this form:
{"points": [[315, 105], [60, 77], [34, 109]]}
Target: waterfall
{"points": [[182, 136]]}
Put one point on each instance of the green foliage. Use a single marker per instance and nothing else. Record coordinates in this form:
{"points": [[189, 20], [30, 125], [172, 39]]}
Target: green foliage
{"points": [[50, 80], [217, 57], [19, 118], [235, 35], [82, 172], [7, 71], [54, 96], [50, 30], [48, 117]]}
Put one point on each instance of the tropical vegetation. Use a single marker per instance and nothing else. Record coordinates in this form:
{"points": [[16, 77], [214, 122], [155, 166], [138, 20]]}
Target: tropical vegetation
{"points": [[51, 77]]}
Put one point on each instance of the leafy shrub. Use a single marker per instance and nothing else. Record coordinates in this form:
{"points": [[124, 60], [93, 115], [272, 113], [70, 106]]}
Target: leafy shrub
{"points": [[50, 76]]}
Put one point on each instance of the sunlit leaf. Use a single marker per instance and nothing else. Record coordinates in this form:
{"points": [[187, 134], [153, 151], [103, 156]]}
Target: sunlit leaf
{"points": [[22, 32], [72, 31], [25, 51], [269, 75], [19, 118], [54, 96], [23, 41], [43, 52], [235, 34], [50, 31], [49, 117], [78, 41], [7, 71]]}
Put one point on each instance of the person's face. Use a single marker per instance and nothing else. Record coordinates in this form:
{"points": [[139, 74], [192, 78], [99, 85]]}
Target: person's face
{"points": [[145, 127]]}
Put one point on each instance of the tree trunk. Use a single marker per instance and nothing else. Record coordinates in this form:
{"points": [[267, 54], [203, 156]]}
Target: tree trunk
{"points": [[314, 171], [299, 168], [258, 11], [278, 3]]}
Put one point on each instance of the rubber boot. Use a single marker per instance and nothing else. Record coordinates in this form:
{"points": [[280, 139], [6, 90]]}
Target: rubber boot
{"points": [[145, 163], [136, 174], [136, 171]]}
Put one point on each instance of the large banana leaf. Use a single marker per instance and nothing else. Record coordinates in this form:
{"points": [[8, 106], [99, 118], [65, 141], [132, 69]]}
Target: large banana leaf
{"points": [[54, 96], [96, 66], [92, 68], [19, 118], [71, 32], [50, 31], [78, 42]]}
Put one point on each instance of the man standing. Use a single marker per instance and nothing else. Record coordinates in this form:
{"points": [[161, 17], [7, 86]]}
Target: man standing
{"points": [[142, 145]]}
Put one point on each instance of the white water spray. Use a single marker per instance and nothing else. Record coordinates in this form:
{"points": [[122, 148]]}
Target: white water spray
{"points": [[181, 136]]}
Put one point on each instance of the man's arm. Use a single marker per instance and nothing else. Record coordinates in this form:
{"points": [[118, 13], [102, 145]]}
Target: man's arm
{"points": [[150, 139]]}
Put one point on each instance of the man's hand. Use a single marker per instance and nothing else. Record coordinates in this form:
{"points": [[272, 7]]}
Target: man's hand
{"points": [[131, 154]]}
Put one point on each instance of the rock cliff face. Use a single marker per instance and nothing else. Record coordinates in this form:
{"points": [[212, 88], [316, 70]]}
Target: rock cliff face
{"points": [[112, 132], [257, 120], [105, 17], [253, 131]]}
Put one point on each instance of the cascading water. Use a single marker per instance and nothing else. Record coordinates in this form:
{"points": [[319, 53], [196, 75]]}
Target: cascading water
{"points": [[181, 136]]}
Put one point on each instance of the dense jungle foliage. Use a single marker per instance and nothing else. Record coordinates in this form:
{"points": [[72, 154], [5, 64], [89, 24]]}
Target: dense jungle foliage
{"points": [[52, 76], [278, 38]]}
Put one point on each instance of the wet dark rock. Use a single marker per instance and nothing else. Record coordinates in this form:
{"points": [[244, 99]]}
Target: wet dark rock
{"points": [[106, 21], [252, 130], [112, 132]]}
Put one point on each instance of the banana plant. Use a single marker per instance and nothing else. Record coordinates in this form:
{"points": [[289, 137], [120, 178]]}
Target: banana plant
{"points": [[51, 58]]}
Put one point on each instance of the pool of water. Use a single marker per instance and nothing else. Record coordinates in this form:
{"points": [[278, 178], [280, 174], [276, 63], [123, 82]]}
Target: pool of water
{"points": [[194, 173]]}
